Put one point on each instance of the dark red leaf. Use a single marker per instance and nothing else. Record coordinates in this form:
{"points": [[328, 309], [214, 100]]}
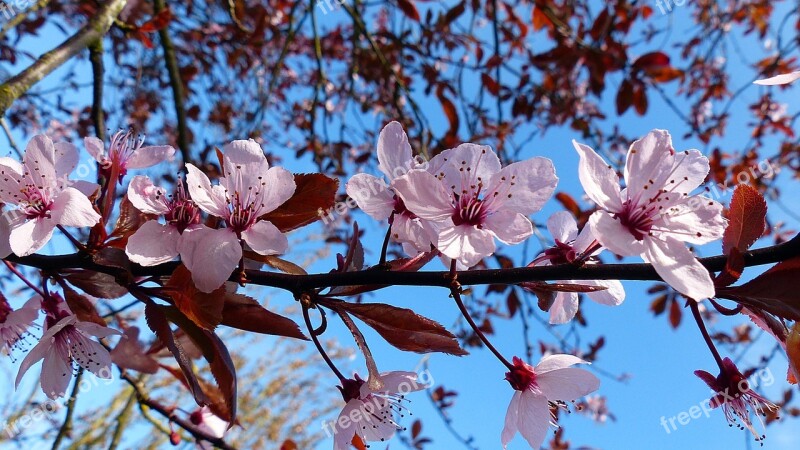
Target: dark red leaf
{"points": [[675, 314], [408, 8], [747, 219], [82, 307], [204, 309], [314, 196], [773, 291], [96, 284], [245, 313]]}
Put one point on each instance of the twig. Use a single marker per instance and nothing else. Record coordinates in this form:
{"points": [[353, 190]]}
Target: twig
{"points": [[175, 83], [11, 142], [66, 427], [98, 116], [702, 326]]}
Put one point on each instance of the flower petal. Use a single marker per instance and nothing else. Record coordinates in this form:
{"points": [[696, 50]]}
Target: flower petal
{"points": [[277, 186], [401, 382], [466, 243], [649, 162], [614, 295], [265, 238], [153, 244], [599, 179], [39, 161], [523, 186], [10, 176], [556, 362], [35, 354], [784, 78], [95, 148], [394, 151], [424, 195], [567, 384], [86, 188], [66, 159], [533, 419], [564, 307], [344, 428], [199, 245], [371, 194], [689, 170], [613, 236], [562, 226], [56, 372], [244, 162], [147, 197], [73, 209], [678, 267], [210, 200], [150, 156], [467, 168], [697, 220], [510, 427], [417, 232], [509, 226], [30, 236], [5, 232]]}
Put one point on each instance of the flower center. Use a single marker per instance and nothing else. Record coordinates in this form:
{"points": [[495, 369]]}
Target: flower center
{"points": [[561, 253], [470, 211], [521, 376], [35, 204], [183, 212], [400, 208], [351, 389], [638, 220]]}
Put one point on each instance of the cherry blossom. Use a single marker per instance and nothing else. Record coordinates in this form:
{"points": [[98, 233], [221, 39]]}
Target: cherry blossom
{"points": [[784, 78], [552, 381], [65, 344], [655, 214], [156, 243], [207, 422], [732, 392], [44, 196], [14, 323], [372, 414], [248, 190], [126, 152], [470, 199], [380, 201], [570, 247]]}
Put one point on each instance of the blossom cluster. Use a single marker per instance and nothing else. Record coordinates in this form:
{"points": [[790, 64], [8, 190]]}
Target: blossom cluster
{"points": [[453, 206]]}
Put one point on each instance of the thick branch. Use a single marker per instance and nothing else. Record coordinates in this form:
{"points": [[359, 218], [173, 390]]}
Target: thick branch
{"points": [[15, 87], [300, 283]]}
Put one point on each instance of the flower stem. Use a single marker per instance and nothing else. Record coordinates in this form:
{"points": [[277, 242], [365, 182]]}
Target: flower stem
{"points": [[700, 324], [386, 242], [321, 350], [455, 291], [72, 239], [24, 280]]}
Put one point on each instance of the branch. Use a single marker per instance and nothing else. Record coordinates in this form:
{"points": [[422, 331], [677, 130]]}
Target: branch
{"points": [[15, 87], [175, 83], [98, 117], [66, 427], [301, 283]]}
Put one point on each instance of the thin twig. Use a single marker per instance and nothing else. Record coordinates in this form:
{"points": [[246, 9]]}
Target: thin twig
{"points": [[176, 84], [66, 426]]}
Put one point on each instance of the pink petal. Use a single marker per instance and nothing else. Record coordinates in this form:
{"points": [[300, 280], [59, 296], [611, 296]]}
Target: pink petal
{"points": [[73, 209], [56, 373], [39, 161], [265, 238], [512, 414], [649, 159], [372, 195], [562, 226], [5, 231], [467, 167], [378, 423], [278, 185], [147, 197], [394, 151], [599, 179], [150, 156], [417, 232], [212, 201], [244, 154], [66, 159], [567, 384], [30, 236], [11, 173], [37, 353], [784, 78], [153, 244], [533, 420], [400, 382], [697, 220], [509, 226], [614, 295], [564, 307], [424, 195], [95, 148], [466, 243], [689, 170], [199, 245], [523, 186], [86, 188], [343, 435], [585, 239], [613, 236], [678, 267]]}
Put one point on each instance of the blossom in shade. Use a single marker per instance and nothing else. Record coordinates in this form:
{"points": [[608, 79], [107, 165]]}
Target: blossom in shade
{"points": [[14, 323], [732, 392], [784, 78], [248, 190], [470, 199], [126, 152], [655, 215], [570, 247], [380, 201], [372, 414], [64, 345], [43, 194], [207, 422], [154, 242], [551, 383]]}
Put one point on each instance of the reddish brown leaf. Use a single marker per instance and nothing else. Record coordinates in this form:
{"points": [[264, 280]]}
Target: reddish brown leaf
{"points": [[639, 99], [773, 291], [96, 284], [315, 192], [130, 219], [245, 313], [276, 263], [492, 85], [734, 266], [402, 327], [675, 314], [82, 307], [158, 21], [408, 8], [204, 309], [651, 60], [747, 219], [793, 352], [624, 97]]}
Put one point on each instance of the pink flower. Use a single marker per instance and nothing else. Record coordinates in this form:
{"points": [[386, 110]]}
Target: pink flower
{"points": [[209, 424], [126, 152], [44, 196], [249, 189], [14, 324], [655, 214], [471, 200], [380, 202], [552, 381], [569, 247], [784, 78], [65, 344], [156, 243], [372, 414], [732, 392]]}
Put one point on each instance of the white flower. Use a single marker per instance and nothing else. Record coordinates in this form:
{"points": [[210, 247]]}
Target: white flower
{"points": [[655, 214], [14, 324], [784, 78], [126, 152]]}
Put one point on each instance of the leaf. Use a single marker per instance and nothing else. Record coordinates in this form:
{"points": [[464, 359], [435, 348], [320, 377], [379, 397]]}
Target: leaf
{"points": [[82, 307], [747, 219], [96, 284], [276, 263], [560, 287], [158, 21], [640, 99], [793, 352], [408, 8], [492, 85], [403, 328], [624, 97], [315, 194], [245, 313], [157, 321], [204, 309], [130, 219], [675, 314], [651, 60], [773, 291], [734, 266]]}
